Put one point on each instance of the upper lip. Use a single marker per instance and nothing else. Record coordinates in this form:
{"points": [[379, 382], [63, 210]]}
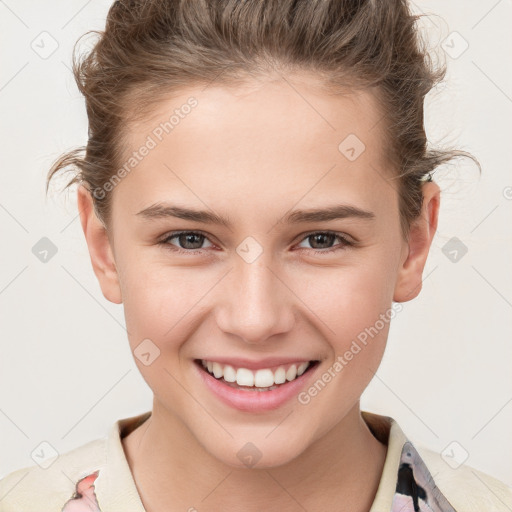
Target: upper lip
{"points": [[269, 362]]}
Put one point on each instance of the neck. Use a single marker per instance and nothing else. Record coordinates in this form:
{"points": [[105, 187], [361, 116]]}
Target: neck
{"points": [[165, 458]]}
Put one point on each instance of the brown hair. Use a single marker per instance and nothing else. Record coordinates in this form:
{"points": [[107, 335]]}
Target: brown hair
{"points": [[152, 48]]}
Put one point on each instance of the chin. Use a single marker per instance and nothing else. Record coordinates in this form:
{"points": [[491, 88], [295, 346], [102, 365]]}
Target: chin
{"points": [[258, 452]]}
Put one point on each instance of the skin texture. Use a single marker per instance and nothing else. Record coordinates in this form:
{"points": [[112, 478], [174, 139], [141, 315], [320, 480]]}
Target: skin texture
{"points": [[253, 154]]}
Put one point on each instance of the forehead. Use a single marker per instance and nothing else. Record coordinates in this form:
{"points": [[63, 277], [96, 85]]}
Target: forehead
{"points": [[259, 141]]}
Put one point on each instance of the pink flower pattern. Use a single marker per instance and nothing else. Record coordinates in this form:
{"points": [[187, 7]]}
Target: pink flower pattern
{"points": [[84, 499]]}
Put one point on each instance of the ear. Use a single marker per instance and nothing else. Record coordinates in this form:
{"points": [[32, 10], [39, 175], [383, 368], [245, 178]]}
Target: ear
{"points": [[422, 231], [100, 251]]}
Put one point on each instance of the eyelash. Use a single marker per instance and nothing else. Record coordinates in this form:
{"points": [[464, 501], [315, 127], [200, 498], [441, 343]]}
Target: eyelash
{"points": [[342, 246]]}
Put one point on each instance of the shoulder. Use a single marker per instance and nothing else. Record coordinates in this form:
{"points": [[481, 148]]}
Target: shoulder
{"points": [[466, 488], [54, 481]]}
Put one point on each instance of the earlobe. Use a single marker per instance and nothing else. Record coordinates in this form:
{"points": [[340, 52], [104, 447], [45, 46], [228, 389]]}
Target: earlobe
{"points": [[100, 250], [421, 234]]}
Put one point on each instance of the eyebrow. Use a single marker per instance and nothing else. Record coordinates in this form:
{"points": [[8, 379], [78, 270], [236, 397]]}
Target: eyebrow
{"points": [[341, 211]]}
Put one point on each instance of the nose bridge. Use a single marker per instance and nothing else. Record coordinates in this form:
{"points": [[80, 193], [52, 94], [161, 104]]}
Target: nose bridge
{"points": [[256, 303]]}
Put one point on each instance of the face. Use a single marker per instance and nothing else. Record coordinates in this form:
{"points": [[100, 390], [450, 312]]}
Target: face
{"points": [[276, 283]]}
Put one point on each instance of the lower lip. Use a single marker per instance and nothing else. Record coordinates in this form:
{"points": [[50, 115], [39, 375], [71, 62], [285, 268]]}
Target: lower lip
{"points": [[255, 401]]}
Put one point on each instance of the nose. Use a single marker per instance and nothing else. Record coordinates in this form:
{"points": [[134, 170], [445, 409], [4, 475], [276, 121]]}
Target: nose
{"points": [[256, 304]]}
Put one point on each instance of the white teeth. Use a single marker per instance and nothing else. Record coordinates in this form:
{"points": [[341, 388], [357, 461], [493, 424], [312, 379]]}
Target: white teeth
{"points": [[302, 368], [280, 375], [217, 370], [263, 379], [244, 377], [229, 373], [291, 372]]}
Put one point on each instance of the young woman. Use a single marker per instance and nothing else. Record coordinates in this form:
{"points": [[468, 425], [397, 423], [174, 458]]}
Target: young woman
{"points": [[257, 192]]}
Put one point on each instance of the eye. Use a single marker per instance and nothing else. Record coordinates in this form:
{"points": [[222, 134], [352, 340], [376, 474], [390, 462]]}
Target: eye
{"points": [[190, 241], [326, 238]]}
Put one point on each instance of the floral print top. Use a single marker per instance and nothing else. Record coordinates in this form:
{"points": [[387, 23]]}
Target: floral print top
{"points": [[96, 477], [415, 489]]}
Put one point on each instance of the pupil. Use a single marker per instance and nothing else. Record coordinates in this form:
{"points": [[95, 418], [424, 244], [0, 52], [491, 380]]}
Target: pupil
{"points": [[186, 237], [322, 235]]}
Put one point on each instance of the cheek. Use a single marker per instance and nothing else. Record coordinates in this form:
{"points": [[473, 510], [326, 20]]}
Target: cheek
{"points": [[359, 305], [161, 301], [356, 311], [158, 300], [351, 299], [159, 306]]}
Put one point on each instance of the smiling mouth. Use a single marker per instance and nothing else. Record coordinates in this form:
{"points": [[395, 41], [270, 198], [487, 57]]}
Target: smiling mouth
{"points": [[265, 379]]}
